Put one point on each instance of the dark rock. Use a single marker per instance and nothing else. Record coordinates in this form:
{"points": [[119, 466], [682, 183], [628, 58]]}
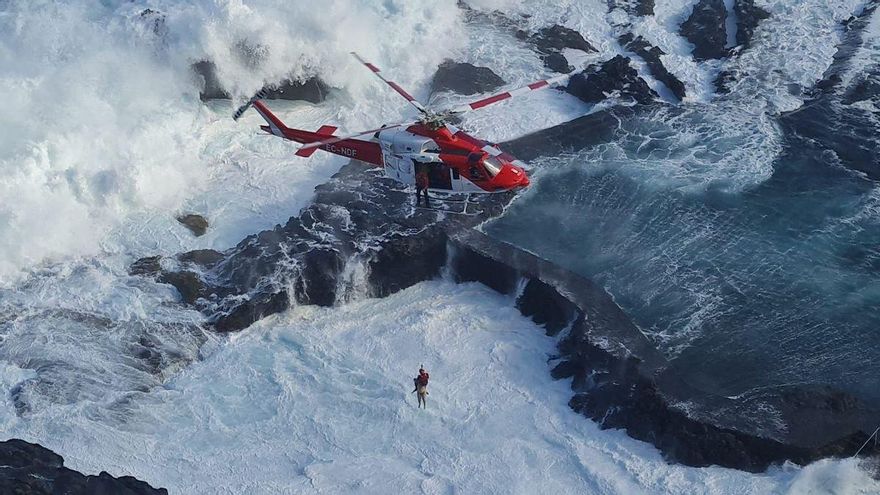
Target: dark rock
{"points": [[210, 87], [550, 41], [465, 79], [651, 56], [359, 217], [748, 15], [407, 261], [633, 7], [706, 30], [557, 38], [828, 120], [471, 266], [203, 257], [557, 63], [573, 136], [187, 284], [546, 306], [197, 224], [145, 266], [853, 39], [613, 77], [29, 468], [568, 369], [251, 310], [724, 81], [156, 22], [319, 276], [313, 90]]}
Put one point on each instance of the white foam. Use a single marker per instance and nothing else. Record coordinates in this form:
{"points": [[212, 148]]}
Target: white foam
{"points": [[790, 50], [318, 400], [104, 131]]}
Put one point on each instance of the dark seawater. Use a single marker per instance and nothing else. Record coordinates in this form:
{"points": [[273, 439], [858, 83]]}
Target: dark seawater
{"points": [[744, 284]]}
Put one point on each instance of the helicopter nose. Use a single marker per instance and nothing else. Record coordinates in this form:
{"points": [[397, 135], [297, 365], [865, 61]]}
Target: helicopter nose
{"points": [[523, 176], [512, 176]]}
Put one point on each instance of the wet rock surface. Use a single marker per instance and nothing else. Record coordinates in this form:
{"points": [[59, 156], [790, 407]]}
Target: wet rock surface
{"points": [[706, 30], [633, 7], [197, 224], [313, 89], [835, 115], [748, 16], [550, 41], [27, 468], [651, 55], [615, 77], [361, 235], [209, 87], [556, 38], [465, 79]]}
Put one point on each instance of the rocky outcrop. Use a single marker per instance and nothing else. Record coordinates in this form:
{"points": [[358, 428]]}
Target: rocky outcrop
{"points": [[465, 79], [313, 89], [557, 38], [187, 283], [614, 77], [829, 117], [549, 43], [197, 224], [621, 381], [706, 30], [155, 21], [205, 258], [209, 84], [360, 233], [633, 7], [748, 15], [853, 38], [651, 56], [27, 468]]}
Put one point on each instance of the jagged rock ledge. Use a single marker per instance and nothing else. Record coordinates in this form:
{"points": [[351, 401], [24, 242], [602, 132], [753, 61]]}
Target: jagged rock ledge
{"points": [[706, 30], [621, 381], [464, 78], [28, 468]]}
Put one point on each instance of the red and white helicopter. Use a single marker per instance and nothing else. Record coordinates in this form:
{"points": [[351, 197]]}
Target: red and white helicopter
{"points": [[456, 161]]}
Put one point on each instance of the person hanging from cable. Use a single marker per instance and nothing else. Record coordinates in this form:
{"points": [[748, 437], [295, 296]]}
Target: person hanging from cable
{"points": [[421, 386]]}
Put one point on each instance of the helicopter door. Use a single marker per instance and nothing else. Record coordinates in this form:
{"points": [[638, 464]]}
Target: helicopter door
{"points": [[461, 184], [397, 167]]}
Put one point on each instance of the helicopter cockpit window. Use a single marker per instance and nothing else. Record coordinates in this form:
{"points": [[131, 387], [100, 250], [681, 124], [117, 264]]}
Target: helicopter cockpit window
{"points": [[493, 165]]}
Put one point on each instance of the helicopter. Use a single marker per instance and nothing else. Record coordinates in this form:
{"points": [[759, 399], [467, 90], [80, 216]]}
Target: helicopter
{"points": [[455, 161]]}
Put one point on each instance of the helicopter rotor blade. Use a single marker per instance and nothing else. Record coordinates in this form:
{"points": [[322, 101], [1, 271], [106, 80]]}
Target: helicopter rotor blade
{"points": [[337, 139], [396, 87], [485, 102]]}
